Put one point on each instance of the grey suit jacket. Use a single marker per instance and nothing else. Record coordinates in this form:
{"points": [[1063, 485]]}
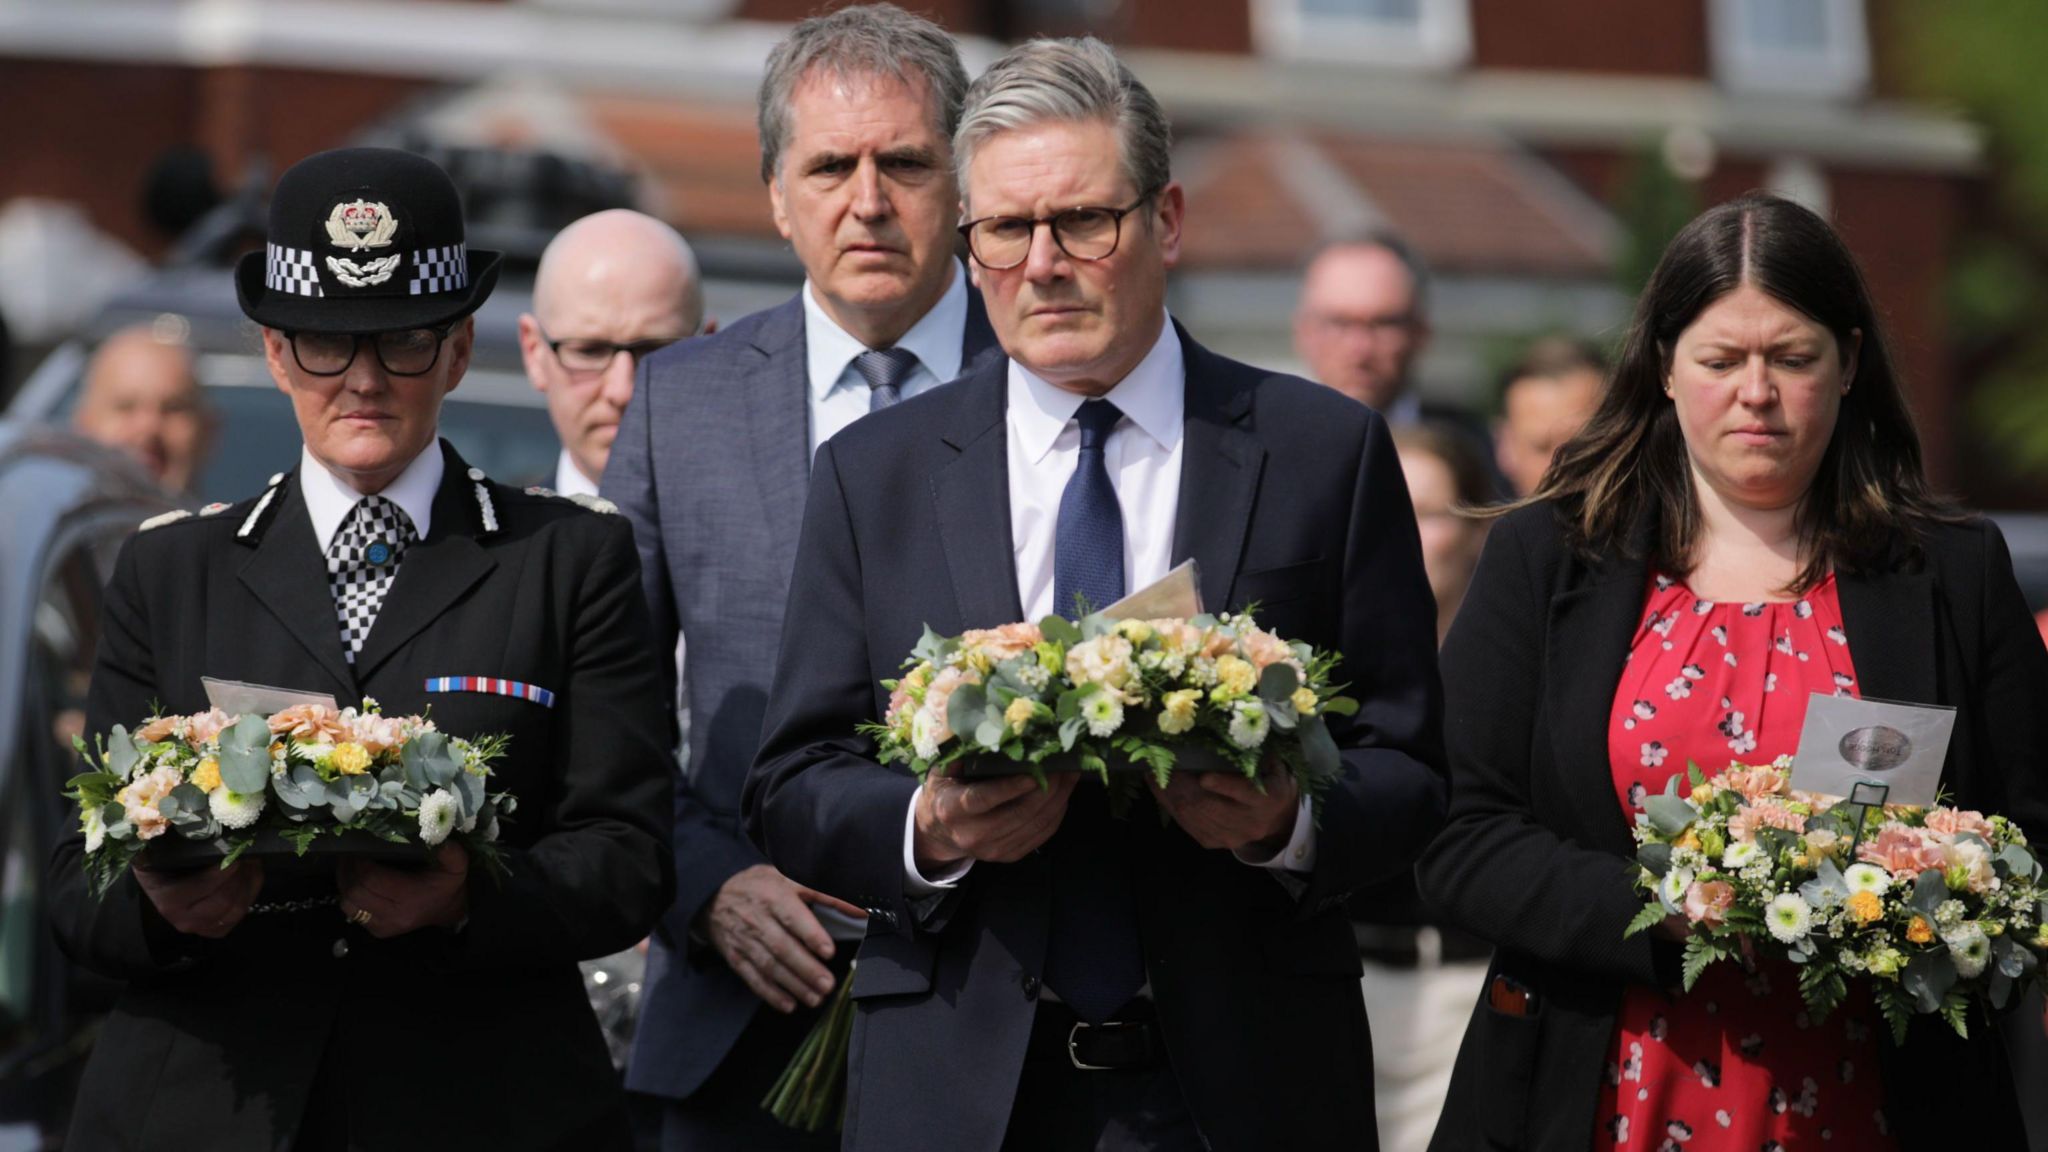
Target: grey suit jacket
{"points": [[711, 464]]}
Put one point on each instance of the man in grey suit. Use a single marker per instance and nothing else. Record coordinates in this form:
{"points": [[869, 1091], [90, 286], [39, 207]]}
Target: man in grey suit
{"points": [[711, 464]]}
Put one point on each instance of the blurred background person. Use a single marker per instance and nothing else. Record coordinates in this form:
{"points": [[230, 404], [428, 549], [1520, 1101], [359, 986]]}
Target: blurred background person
{"points": [[1421, 974], [143, 397], [611, 289], [1545, 399], [1743, 523]]}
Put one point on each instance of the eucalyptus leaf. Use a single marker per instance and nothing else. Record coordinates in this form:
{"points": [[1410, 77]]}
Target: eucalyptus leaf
{"points": [[1278, 682], [1318, 750], [965, 709], [1669, 815], [1929, 976], [2001, 990], [989, 734], [1827, 889], [245, 755], [1070, 731], [189, 797], [1060, 630], [1656, 858], [122, 754], [301, 787], [2021, 862], [1340, 706], [429, 762], [1928, 893], [469, 793]]}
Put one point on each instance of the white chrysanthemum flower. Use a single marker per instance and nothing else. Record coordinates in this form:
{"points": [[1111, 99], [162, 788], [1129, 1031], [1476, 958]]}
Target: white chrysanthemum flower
{"points": [[95, 828], [1867, 878], [1249, 724], [234, 809], [1788, 917], [1740, 855], [467, 824], [1970, 948], [437, 816], [1104, 714], [924, 735], [1674, 886]]}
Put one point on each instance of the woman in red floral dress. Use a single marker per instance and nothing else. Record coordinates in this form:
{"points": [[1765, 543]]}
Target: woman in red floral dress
{"points": [[1745, 510]]}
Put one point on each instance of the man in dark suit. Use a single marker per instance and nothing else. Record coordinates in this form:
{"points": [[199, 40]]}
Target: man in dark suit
{"points": [[283, 1003], [1037, 975], [710, 465]]}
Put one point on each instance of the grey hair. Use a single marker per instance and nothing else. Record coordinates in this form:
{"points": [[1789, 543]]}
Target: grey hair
{"points": [[1393, 244], [1068, 80], [863, 40]]}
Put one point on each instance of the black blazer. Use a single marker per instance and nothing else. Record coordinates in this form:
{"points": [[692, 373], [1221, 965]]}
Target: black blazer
{"points": [[1290, 496], [1537, 857], [482, 1038]]}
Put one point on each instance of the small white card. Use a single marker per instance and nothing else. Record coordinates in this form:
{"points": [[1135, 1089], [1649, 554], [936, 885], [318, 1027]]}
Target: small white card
{"points": [[1176, 595], [237, 698], [1847, 742]]}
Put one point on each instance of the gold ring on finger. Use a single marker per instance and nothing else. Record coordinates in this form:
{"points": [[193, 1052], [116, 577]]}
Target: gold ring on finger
{"points": [[360, 916]]}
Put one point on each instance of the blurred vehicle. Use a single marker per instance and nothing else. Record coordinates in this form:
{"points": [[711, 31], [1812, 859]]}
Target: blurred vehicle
{"points": [[65, 507]]}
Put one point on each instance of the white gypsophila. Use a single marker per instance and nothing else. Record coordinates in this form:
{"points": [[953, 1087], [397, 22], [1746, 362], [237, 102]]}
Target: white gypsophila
{"points": [[1949, 914], [234, 809], [1675, 884], [1757, 871], [1034, 676], [1249, 724], [1740, 855], [924, 735], [1867, 878], [1202, 672], [1970, 948], [437, 816], [1789, 918], [1104, 714], [95, 827]]}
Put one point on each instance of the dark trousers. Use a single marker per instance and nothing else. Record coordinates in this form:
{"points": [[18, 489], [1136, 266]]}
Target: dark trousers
{"points": [[725, 1114], [1062, 1108]]}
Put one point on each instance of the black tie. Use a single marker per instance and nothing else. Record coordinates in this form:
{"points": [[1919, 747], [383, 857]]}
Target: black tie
{"points": [[1092, 959], [885, 370]]}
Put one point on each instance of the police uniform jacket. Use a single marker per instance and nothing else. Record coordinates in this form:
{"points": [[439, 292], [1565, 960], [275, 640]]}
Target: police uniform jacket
{"points": [[478, 1037]]}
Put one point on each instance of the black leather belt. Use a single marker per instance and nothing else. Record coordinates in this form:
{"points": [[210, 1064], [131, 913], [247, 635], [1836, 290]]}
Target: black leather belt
{"points": [[1129, 1043]]}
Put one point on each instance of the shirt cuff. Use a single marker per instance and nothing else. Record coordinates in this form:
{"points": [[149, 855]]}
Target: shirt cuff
{"points": [[915, 882], [1300, 853]]}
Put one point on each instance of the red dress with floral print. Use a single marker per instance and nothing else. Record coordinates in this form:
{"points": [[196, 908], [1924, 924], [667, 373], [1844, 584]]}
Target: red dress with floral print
{"points": [[1735, 1064]]}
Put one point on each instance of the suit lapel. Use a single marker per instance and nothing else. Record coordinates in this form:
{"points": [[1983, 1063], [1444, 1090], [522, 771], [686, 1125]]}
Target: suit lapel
{"points": [[971, 498], [288, 576], [1219, 473], [777, 388], [1890, 620], [1591, 626], [435, 572], [978, 347]]}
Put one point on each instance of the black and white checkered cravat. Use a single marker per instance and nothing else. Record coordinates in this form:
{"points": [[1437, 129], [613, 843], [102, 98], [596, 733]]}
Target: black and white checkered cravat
{"points": [[361, 564]]}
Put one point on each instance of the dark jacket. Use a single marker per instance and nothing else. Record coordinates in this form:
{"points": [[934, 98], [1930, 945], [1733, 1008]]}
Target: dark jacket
{"points": [[477, 1038], [1291, 496], [710, 466], [1537, 856]]}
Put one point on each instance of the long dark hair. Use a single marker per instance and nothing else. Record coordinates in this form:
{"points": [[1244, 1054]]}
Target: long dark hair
{"points": [[1870, 496]]}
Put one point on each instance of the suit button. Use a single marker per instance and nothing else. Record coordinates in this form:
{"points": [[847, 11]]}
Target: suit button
{"points": [[341, 949], [1031, 986]]}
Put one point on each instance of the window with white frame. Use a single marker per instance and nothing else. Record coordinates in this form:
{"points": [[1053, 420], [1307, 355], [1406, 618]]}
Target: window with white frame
{"points": [[1804, 47], [1391, 33]]}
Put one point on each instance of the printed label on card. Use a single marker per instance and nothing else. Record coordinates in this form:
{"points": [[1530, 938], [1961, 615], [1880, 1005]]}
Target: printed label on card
{"points": [[1899, 747]]}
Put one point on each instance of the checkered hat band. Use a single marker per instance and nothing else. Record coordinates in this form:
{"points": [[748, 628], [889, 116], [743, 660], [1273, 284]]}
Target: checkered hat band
{"points": [[440, 269], [291, 270]]}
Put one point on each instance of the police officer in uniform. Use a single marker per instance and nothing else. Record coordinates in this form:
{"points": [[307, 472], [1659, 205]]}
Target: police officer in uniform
{"points": [[284, 1003]]}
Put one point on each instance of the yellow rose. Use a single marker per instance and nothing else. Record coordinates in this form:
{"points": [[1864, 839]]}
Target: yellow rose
{"points": [[1305, 700], [350, 759], [1920, 931], [1703, 794], [1136, 631], [1691, 839], [1177, 711], [1866, 907], [1236, 675], [206, 777], [1018, 714]]}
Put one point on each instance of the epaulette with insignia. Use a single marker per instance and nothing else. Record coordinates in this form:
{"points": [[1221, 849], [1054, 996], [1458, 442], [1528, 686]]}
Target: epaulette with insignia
{"points": [[485, 510], [594, 503], [171, 517]]}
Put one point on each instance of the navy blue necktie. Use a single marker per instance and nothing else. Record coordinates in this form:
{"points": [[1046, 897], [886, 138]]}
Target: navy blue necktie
{"points": [[1088, 553], [885, 370], [1092, 957]]}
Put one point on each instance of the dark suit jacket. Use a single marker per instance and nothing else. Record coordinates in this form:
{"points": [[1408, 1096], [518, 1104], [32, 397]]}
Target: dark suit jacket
{"points": [[482, 1038], [1537, 856], [710, 465], [1290, 496]]}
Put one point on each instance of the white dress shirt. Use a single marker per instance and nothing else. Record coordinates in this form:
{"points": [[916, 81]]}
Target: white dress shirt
{"points": [[839, 395], [570, 480], [329, 498], [1144, 461]]}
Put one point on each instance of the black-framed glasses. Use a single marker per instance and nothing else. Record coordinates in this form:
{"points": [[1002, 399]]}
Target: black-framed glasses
{"points": [[1089, 232], [402, 351], [586, 357]]}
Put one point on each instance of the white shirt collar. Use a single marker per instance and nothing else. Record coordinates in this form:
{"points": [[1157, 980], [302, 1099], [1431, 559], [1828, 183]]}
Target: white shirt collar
{"points": [[934, 339], [570, 480], [1153, 397], [329, 498]]}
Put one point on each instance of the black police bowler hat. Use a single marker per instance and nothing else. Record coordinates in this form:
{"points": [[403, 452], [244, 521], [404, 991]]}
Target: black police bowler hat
{"points": [[364, 240]]}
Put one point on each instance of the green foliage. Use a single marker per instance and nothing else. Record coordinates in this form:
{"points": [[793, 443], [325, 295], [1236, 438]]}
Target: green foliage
{"points": [[1701, 951], [1896, 1006], [1654, 203], [1823, 987], [1651, 916]]}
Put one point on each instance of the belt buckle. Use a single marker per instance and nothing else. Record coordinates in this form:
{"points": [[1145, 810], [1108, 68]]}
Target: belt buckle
{"points": [[1074, 1042]]}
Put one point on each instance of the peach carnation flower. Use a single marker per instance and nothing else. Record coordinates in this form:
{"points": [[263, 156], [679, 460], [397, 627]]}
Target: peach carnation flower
{"points": [[139, 800], [1902, 851], [1955, 821], [1707, 901], [1754, 784], [1002, 643], [310, 724], [1753, 818]]}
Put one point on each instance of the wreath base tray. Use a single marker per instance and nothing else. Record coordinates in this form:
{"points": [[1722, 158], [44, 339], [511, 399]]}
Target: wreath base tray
{"points": [[172, 852], [1187, 758]]}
